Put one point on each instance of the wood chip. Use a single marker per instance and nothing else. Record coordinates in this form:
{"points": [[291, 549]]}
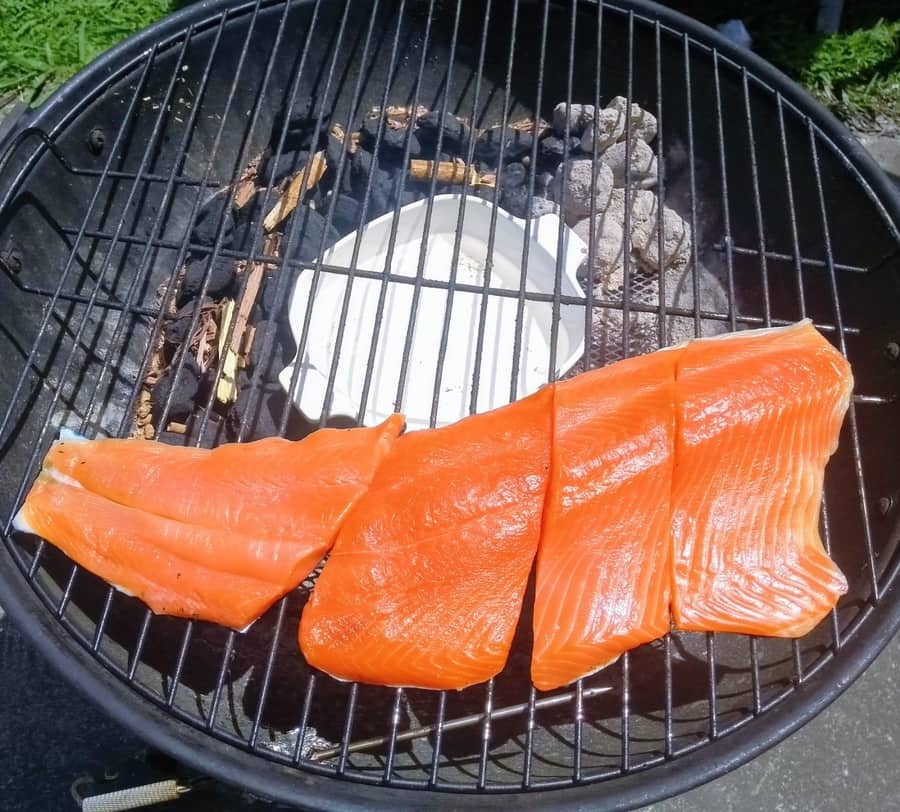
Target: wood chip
{"points": [[176, 427], [226, 388], [248, 183], [337, 131], [451, 172], [303, 182], [539, 128]]}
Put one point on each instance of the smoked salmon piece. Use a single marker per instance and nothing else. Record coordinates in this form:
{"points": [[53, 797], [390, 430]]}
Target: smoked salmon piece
{"points": [[425, 582], [211, 534], [273, 487], [176, 568], [758, 416], [603, 565]]}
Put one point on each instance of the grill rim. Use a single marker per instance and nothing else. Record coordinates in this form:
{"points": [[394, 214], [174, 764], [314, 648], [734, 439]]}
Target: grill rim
{"points": [[290, 785]]}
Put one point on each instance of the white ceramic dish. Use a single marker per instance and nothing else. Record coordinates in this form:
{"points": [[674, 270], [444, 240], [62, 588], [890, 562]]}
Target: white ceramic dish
{"points": [[454, 388]]}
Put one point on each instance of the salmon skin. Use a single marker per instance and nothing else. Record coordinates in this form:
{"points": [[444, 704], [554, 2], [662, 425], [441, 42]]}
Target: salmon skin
{"points": [[759, 414], [256, 517], [603, 582], [425, 583]]}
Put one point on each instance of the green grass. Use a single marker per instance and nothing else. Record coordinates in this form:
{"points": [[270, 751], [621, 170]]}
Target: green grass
{"points": [[855, 72], [44, 42]]}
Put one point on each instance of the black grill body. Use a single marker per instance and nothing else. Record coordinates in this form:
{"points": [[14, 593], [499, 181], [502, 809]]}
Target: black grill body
{"points": [[787, 212]]}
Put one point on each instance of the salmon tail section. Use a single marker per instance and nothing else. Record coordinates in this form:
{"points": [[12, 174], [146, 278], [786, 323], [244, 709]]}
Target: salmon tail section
{"points": [[759, 415]]}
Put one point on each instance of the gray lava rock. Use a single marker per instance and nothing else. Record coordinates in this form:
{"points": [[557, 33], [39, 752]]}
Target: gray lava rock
{"points": [[607, 271], [578, 116], [676, 234], [607, 128], [643, 164], [574, 189], [642, 125]]}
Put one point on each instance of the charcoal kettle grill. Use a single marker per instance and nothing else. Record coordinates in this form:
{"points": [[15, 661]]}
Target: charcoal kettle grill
{"points": [[100, 191]]}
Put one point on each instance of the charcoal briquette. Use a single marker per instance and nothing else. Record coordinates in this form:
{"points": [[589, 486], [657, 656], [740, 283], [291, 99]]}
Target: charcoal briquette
{"points": [[288, 163], [346, 213], [449, 128], [187, 390], [259, 409], [209, 217], [512, 176], [334, 149], [311, 234], [392, 141], [221, 279], [268, 361], [552, 149], [175, 330], [301, 131], [516, 145]]}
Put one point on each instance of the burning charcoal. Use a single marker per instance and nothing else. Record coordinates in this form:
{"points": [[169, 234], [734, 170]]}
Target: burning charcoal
{"points": [[393, 142], [453, 133], [580, 186], [642, 125], [300, 132], [188, 390], [552, 150], [221, 279], [516, 145], [643, 164], [607, 128], [175, 330], [209, 217], [287, 164], [310, 231], [578, 117]]}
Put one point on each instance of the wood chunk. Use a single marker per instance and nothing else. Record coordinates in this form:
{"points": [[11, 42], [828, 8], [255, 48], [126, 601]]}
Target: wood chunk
{"points": [[247, 184], [451, 172], [304, 181]]}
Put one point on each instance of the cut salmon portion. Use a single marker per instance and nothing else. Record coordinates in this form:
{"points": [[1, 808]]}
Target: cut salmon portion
{"points": [[426, 579], [758, 415], [274, 487], [603, 566], [176, 568]]}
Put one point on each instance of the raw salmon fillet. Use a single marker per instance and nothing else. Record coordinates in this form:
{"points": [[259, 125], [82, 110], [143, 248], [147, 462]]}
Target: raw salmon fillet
{"points": [[176, 568], [145, 516], [425, 582], [758, 416], [274, 487], [603, 565]]}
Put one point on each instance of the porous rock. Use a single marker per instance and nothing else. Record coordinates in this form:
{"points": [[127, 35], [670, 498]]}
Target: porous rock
{"points": [[573, 189]]}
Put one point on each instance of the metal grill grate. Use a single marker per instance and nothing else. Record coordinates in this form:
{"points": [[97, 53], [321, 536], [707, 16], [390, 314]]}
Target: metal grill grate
{"points": [[774, 204]]}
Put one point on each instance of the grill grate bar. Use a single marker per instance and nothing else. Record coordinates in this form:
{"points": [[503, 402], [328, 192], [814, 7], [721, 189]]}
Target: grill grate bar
{"points": [[757, 204], [526, 246], [726, 215], [692, 179], [105, 304], [711, 686], [838, 320], [495, 200], [304, 719], [460, 722], [579, 728], [134, 657], [531, 707], [179, 663], [667, 687], [626, 700], [392, 740], [486, 733], [344, 749], [210, 721], [592, 224], [837, 642], [267, 674], [627, 246], [457, 238], [660, 190], [438, 737]]}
